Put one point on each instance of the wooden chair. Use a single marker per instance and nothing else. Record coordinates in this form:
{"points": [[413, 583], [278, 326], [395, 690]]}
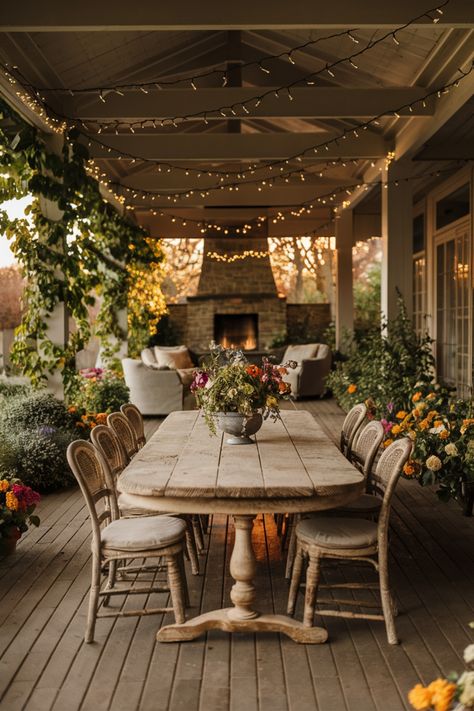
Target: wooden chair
{"points": [[115, 539], [352, 423], [363, 456], [124, 431], [108, 444], [135, 418], [351, 538]]}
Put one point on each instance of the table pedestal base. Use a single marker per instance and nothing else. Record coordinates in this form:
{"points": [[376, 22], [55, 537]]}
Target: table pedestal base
{"points": [[220, 620], [242, 617]]}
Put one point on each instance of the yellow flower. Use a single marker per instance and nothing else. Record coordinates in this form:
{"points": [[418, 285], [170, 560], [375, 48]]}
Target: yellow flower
{"points": [[387, 442], [416, 396], [271, 401], [11, 501], [352, 389], [412, 435], [424, 424], [431, 396], [396, 429], [4, 485], [442, 693], [420, 697], [416, 412], [431, 414], [401, 415]]}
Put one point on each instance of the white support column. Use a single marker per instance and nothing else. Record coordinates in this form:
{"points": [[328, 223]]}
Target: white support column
{"points": [[344, 285], [397, 234]]}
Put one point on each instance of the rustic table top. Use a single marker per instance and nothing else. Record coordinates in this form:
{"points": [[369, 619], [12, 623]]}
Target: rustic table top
{"points": [[292, 458]]}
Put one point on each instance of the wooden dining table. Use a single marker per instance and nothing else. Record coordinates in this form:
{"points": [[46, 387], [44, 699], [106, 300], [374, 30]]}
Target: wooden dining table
{"points": [[293, 467]]}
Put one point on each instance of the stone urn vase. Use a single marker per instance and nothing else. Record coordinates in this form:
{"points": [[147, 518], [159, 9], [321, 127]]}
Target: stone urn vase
{"points": [[239, 427]]}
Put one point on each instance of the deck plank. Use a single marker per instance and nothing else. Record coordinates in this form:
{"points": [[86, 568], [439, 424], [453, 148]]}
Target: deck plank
{"points": [[45, 665]]}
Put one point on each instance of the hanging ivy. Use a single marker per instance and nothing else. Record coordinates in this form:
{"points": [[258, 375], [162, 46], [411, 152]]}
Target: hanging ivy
{"points": [[71, 243]]}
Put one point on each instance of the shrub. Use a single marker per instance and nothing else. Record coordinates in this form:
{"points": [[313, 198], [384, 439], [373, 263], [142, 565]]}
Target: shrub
{"points": [[36, 456], [35, 410], [9, 390], [99, 391], [383, 366]]}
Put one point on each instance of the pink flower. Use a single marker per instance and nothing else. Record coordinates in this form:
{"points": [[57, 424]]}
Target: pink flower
{"points": [[200, 380], [387, 426], [26, 494]]}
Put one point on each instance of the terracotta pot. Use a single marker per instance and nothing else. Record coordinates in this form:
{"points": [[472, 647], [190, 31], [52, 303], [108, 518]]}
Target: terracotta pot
{"points": [[239, 426], [8, 543]]}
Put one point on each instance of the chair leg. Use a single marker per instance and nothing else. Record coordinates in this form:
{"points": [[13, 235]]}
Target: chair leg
{"points": [[93, 600], [176, 587], [295, 581], [184, 579], [312, 582], [191, 547], [111, 580], [197, 533], [387, 601]]}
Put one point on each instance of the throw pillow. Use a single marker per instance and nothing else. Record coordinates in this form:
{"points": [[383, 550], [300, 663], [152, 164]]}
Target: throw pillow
{"points": [[176, 358], [148, 358]]}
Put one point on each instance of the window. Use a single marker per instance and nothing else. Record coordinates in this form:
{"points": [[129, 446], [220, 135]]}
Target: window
{"points": [[453, 293], [419, 233], [452, 207]]}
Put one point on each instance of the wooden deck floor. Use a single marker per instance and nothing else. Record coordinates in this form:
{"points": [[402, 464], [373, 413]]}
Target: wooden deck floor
{"points": [[45, 664]]}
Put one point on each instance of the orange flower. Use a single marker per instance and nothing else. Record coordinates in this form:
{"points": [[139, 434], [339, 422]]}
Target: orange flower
{"points": [[71, 409], [80, 424], [442, 693], [444, 434], [396, 429], [401, 415], [352, 389], [416, 412], [424, 424], [11, 501], [101, 418], [420, 697], [416, 396], [283, 371], [283, 387], [438, 423], [253, 370], [387, 442], [409, 468], [4, 485]]}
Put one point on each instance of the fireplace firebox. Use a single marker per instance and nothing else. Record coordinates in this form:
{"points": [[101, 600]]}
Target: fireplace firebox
{"points": [[236, 331]]}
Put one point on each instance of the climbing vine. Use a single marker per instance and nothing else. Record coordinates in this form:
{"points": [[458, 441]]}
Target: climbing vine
{"points": [[71, 244]]}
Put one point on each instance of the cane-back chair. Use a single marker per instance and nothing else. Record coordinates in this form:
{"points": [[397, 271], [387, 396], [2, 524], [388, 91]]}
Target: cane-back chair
{"points": [[135, 418], [350, 427], [124, 431]]}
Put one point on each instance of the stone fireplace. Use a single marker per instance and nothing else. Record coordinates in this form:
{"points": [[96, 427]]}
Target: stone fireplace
{"points": [[237, 303]]}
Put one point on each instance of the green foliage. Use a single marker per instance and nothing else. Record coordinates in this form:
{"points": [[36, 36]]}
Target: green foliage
{"points": [[104, 251], [99, 391], [9, 390], [383, 366], [367, 300], [38, 409], [36, 456]]}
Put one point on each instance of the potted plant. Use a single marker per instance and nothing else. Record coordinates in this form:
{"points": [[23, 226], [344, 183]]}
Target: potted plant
{"points": [[235, 396], [17, 505]]}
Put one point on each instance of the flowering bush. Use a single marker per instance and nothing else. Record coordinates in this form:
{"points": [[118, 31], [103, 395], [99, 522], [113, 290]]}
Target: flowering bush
{"points": [[17, 504], [229, 383], [97, 392], [456, 692], [442, 431]]}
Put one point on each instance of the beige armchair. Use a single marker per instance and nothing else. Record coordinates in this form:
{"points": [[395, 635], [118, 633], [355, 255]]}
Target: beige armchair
{"points": [[313, 366], [156, 392]]}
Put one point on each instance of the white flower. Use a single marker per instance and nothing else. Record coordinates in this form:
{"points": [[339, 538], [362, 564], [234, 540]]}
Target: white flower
{"points": [[466, 682], [469, 654], [437, 430], [434, 463], [451, 449]]}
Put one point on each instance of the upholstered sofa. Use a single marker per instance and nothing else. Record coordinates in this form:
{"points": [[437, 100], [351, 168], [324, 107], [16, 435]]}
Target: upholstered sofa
{"points": [[156, 386], [313, 366]]}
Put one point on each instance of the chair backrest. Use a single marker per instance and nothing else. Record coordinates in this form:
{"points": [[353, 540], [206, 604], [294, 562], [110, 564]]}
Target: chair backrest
{"points": [[122, 428], [387, 473], [108, 444], [366, 446], [135, 417], [350, 426], [93, 476]]}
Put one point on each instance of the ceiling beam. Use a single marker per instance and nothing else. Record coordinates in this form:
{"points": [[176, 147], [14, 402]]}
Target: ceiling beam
{"points": [[109, 15], [221, 147], [308, 102]]}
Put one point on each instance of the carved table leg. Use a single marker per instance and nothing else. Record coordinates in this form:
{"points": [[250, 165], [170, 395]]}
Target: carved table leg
{"points": [[242, 617]]}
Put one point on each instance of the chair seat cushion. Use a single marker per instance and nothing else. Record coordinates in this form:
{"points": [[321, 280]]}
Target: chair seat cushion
{"points": [[367, 503], [337, 532], [142, 533]]}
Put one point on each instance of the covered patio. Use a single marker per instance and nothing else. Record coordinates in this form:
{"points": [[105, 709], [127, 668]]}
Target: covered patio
{"points": [[184, 175]]}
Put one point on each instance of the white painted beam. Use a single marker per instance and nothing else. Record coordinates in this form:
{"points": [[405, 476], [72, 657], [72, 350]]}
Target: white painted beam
{"points": [[109, 15], [344, 226], [308, 102], [241, 147]]}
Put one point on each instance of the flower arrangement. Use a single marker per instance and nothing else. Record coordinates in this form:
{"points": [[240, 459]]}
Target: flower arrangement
{"points": [[442, 431], [456, 692], [229, 383], [17, 504], [97, 392]]}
